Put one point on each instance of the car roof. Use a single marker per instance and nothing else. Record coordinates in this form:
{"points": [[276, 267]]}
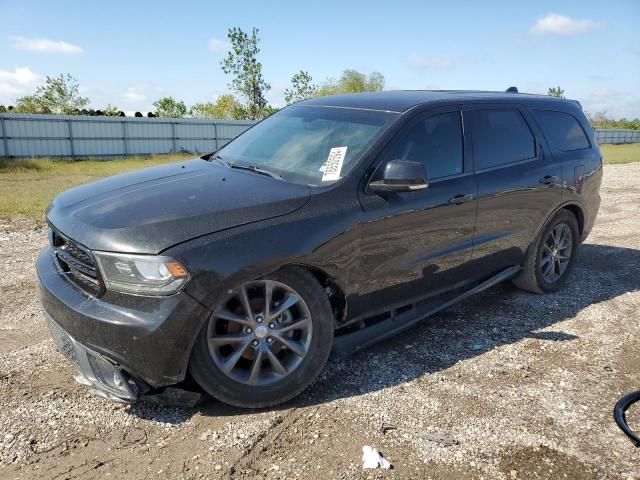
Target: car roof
{"points": [[402, 100]]}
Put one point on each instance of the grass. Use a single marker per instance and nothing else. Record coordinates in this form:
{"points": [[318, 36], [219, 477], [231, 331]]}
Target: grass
{"points": [[626, 153], [27, 186]]}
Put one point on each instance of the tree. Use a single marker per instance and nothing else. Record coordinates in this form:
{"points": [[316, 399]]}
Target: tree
{"points": [[169, 107], [600, 120], [225, 107], [302, 87], [111, 111], [246, 71], [59, 95], [352, 81], [30, 104], [555, 92]]}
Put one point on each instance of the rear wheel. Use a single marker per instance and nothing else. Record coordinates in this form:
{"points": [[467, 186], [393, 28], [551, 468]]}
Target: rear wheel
{"points": [[551, 257], [266, 341]]}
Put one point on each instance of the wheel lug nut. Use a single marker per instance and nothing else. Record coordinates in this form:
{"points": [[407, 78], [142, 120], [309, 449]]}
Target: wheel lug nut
{"points": [[259, 319], [269, 340], [272, 325], [255, 343], [248, 330]]}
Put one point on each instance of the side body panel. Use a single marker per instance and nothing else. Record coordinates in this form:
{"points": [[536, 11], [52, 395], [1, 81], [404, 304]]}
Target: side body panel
{"points": [[581, 171], [513, 201]]}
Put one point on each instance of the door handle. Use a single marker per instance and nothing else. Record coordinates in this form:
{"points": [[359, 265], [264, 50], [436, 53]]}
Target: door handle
{"points": [[549, 179], [460, 198]]}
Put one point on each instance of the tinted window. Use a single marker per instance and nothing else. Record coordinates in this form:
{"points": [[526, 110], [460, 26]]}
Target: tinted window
{"points": [[436, 141], [297, 141], [564, 130], [501, 137]]}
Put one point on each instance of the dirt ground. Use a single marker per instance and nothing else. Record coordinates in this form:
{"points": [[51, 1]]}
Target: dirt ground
{"points": [[525, 383]]}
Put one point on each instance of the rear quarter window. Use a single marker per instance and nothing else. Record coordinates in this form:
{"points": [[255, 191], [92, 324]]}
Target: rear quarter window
{"points": [[562, 129]]}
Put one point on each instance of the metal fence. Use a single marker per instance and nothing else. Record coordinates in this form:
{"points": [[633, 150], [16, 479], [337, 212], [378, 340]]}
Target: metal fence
{"points": [[617, 136], [81, 136]]}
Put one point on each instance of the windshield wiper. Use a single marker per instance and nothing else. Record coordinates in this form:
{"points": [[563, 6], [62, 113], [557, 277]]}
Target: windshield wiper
{"points": [[253, 168]]}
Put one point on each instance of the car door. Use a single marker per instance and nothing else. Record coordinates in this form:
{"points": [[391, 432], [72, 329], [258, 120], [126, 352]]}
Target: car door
{"points": [[415, 243], [519, 184]]}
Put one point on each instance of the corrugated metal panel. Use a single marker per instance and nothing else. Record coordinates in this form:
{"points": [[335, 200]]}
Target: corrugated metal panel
{"points": [[603, 136], [3, 139], [98, 147], [196, 145], [82, 136], [39, 148], [227, 131], [195, 130], [149, 146], [96, 129]]}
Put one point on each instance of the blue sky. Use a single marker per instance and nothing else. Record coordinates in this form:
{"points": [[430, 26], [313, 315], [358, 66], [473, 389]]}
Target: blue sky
{"points": [[131, 53]]}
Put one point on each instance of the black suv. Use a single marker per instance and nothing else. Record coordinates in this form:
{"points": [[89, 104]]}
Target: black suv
{"points": [[328, 226]]}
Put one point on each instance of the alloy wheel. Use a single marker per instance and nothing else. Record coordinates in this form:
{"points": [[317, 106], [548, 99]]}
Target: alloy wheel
{"points": [[260, 333], [556, 253]]}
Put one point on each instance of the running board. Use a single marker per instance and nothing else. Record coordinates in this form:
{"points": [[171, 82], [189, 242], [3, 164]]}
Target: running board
{"points": [[353, 342]]}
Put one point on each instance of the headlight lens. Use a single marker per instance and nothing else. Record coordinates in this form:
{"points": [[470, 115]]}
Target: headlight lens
{"points": [[141, 274]]}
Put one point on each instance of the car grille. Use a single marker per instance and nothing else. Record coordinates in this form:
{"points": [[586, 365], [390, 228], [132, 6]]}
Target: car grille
{"points": [[77, 263]]}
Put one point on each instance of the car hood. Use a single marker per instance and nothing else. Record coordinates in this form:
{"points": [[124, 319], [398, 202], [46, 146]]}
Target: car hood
{"points": [[155, 208]]}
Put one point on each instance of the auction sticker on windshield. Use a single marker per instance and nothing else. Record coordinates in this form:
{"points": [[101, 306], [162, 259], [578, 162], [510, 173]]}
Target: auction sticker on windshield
{"points": [[333, 166]]}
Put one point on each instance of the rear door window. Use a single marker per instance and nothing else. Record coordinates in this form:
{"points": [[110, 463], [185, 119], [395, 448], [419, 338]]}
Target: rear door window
{"points": [[501, 137], [562, 129]]}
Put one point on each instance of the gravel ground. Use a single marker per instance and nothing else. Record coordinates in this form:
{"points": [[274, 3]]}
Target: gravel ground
{"points": [[525, 383]]}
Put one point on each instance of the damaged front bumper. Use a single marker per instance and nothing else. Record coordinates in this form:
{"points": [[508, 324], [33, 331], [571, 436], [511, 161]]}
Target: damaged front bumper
{"points": [[124, 346], [101, 374]]}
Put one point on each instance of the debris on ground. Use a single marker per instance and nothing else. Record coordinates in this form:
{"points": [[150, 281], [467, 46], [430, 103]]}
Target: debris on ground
{"points": [[431, 437], [372, 458]]}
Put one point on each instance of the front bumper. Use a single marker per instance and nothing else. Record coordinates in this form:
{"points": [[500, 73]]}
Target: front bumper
{"points": [[105, 377], [143, 342]]}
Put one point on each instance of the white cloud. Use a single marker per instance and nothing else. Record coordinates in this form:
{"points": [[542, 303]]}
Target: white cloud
{"points": [[219, 46], [563, 25], [135, 94], [614, 102], [45, 45], [20, 82]]}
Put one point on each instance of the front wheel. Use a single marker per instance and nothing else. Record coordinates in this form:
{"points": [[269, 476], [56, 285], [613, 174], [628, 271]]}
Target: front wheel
{"points": [[266, 341], [551, 257]]}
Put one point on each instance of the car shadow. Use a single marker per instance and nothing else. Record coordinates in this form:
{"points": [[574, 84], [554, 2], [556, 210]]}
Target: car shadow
{"points": [[496, 317]]}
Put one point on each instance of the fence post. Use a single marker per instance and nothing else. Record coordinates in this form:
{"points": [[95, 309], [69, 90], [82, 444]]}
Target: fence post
{"points": [[124, 137], [173, 136], [215, 133], [73, 153], [4, 136]]}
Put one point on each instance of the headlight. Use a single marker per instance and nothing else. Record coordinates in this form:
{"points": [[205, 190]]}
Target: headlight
{"points": [[141, 274]]}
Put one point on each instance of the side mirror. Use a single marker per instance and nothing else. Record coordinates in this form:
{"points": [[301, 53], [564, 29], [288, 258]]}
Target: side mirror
{"points": [[401, 176]]}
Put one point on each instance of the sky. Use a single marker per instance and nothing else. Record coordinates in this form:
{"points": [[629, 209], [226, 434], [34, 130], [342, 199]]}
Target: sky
{"points": [[130, 53]]}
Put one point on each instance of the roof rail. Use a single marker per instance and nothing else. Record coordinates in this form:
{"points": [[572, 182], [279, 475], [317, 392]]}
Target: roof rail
{"points": [[512, 90]]}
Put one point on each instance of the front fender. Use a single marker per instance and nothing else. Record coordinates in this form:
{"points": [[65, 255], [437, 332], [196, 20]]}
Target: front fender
{"points": [[328, 240]]}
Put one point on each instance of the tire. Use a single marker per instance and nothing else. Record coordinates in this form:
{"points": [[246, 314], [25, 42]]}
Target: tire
{"points": [[532, 278], [269, 346]]}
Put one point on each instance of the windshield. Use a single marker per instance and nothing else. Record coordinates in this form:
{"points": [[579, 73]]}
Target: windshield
{"points": [[310, 145]]}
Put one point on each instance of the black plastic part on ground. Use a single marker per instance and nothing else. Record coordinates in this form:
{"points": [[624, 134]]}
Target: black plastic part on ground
{"points": [[618, 414]]}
